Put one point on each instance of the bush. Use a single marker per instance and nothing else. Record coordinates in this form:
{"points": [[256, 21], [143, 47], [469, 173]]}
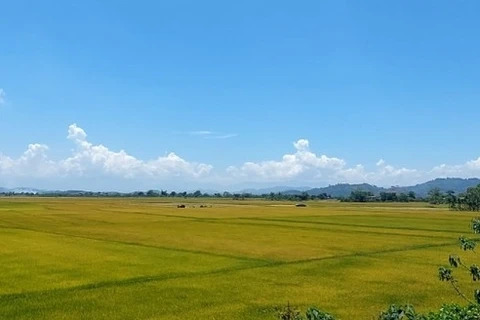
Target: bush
{"points": [[394, 312], [446, 312], [406, 312], [292, 313], [315, 314], [455, 312]]}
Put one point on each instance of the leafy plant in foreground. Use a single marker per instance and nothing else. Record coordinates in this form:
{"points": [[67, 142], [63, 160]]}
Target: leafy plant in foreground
{"points": [[455, 312], [446, 274], [394, 312], [291, 313], [315, 314]]}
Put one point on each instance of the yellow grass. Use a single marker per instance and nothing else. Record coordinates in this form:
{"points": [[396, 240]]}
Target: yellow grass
{"points": [[147, 259]]}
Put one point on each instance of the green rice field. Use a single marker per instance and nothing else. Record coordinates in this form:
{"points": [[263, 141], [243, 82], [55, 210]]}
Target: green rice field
{"points": [[147, 259]]}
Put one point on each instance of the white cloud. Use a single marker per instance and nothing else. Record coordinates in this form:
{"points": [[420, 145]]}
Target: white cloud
{"points": [[32, 163], [2, 96], [90, 157], [307, 166], [384, 170], [355, 174], [468, 169], [301, 144], [223, 136], [201, 133], [76, 133], [302, 163], [94, 162], [98, 160], [206, 134]]}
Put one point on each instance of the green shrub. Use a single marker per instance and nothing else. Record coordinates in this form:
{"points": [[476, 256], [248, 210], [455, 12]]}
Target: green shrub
{"points": [[446, 312], [291, 313], [315, 314], [455, 312], [394, 312]]}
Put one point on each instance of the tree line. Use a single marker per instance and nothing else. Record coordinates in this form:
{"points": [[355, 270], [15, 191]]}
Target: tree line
{"points": [[368, 196], [278, 196], [469, 200]]}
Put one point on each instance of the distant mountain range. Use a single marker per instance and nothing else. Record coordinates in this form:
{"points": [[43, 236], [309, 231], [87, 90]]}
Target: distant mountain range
{"points": [[458, 185], [281, 189], [444, 184]]}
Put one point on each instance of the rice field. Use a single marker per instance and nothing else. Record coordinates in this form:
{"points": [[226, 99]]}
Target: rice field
{"points": [[147, 259]]}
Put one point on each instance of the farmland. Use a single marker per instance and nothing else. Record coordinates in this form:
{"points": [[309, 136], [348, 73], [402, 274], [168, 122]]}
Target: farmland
{"points": [[147, 259]]}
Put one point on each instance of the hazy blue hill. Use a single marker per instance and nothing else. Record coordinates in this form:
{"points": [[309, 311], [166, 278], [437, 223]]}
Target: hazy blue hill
{"points": [[344, 189], [282, 189], [458, 185]]}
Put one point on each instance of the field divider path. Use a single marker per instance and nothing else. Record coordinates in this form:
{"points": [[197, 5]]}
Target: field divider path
{"points": [[152, 214], [166, 277], [228, 220], [125, 282], [378, 252], [131, 243], [285, 226], [347, 224]]}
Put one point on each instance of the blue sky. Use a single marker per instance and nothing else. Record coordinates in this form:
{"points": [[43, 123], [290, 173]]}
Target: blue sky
{"points": [[228, 88]]}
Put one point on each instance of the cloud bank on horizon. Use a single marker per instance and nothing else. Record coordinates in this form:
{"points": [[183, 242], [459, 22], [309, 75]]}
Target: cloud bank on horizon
{"points": [[89, 161]]}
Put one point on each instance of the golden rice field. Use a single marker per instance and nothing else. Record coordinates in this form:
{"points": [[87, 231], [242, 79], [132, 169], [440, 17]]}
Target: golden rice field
{"points": [[147, 259]]}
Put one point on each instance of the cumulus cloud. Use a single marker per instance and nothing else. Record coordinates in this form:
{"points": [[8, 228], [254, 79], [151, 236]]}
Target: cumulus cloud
{"points": [[396, 175], [89, 157], [32, 163], [2, 96], [468, 169], [301, 163], [75, 133], [97, 160], [305, 165]]}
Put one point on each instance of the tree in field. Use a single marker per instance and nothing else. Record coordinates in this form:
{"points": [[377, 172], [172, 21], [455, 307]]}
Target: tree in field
{"points": [[468, 201], [303, 196], [152, 193], [197, 194], [435, 196], [472, 198], [360, 196], [450, 199], [323, 196], [411, 195], [403, 197], [388, 196]]}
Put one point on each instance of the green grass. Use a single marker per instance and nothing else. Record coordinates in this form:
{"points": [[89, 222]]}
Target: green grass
{"points": [[146, 259]]}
